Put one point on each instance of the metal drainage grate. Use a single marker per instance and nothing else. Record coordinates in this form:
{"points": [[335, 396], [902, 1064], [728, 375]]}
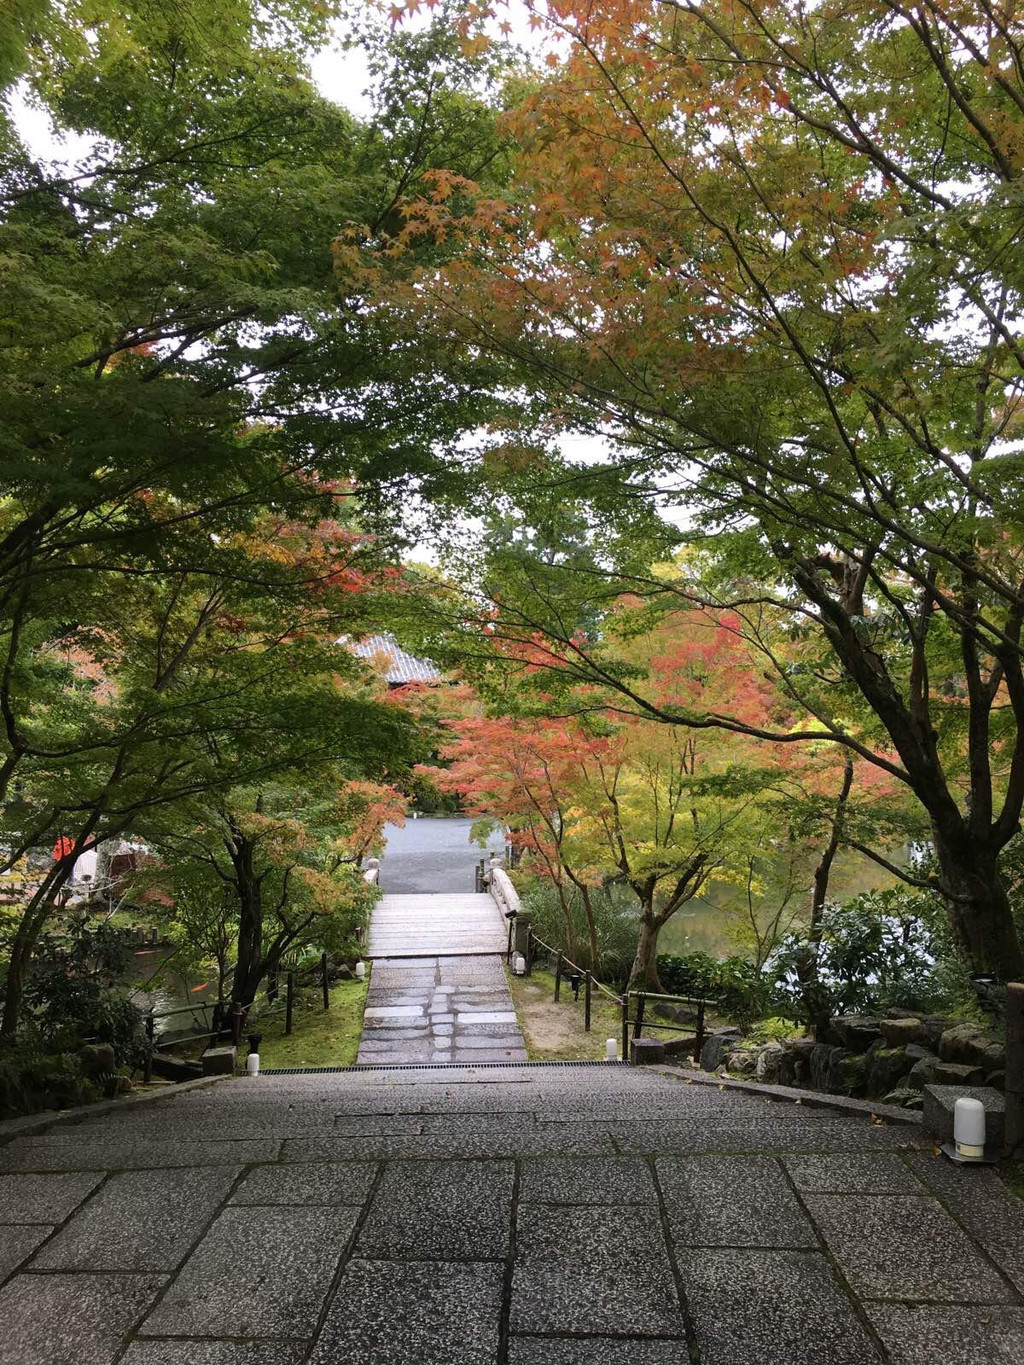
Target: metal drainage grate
{"points": [[421, 1066]]}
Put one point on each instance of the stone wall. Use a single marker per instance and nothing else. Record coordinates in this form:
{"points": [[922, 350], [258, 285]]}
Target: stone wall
{"points": [[866, 1055]]}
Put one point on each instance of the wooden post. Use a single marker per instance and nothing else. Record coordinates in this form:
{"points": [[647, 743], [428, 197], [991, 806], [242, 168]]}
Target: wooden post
{"points": [[698, 1046], [1014, 1134], [326, 981], [236, 1022], [288, 1001], [625, 1027], [638, 1023], [586, 1003], [558, 974], [147, 1070]]}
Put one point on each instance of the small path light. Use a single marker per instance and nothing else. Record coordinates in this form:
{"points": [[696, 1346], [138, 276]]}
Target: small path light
{"points": [[968, 1145], [575, 981], [360, 971], [611, 1050], [969, 1129]]}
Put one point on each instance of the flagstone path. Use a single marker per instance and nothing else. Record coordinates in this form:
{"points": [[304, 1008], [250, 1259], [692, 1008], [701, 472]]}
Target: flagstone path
{"points": [[450, 1006], [600, 1215]]}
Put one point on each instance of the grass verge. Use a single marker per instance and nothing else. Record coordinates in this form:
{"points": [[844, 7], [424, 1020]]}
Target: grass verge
{"points": [[320, 1037]]}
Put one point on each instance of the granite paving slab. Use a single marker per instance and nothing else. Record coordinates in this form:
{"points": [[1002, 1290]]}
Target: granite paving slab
{"points": [[338, 1182], [772, 1307], [36, 1154], [71, 1319], [739, 1201], [879, 1173], [258, 1272], [604, 1271], [140, 1220], [214, 1353], [440, 1210], [923, 1334], [618, 1180], [977, 1197], [17, 1243], [596, 1351], [904, 1247], [433, 1313], [751, 1135], [589, 1278], [43, 1198]]}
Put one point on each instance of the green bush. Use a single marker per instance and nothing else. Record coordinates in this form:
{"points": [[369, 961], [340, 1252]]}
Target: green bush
{"points": [[615, 916], [736, 986], [881, 950], [71, 997], [32, 1079]]}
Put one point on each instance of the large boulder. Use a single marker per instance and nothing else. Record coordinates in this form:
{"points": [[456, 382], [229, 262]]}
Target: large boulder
{"points": [[716, 1046], [741, 1062], [769, 1062], [821, 1057], [886, 1067], [856, 1032], [847, 1072], [97, 1060], [922, 1073], [958, 1073], [962, 1042], [900, 1032], [916, 1051], [935, 1025]]}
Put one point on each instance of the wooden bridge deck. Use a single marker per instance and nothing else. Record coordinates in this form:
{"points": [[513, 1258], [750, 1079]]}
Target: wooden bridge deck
{"points": [[437, 925]]}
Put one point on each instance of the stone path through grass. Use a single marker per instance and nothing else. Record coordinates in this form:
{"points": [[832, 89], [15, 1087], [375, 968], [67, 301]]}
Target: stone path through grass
{"points": [[443, 1009]]}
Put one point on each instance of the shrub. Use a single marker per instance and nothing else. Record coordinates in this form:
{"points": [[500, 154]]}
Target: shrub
{"points": [[615, 916], [879, 950], [32, 1079], [740, 991], [72, 998]]}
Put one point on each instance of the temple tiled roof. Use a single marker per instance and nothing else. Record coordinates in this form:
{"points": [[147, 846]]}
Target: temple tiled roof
{"points": [[402, 667]]}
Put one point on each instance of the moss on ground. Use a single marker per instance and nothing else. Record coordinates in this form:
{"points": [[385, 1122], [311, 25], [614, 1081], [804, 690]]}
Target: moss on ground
{"points": [[319, 1037]]}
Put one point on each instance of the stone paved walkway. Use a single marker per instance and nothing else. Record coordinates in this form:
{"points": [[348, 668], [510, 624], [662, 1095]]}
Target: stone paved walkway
{"points": [[530, 1216], [444, 1009]]}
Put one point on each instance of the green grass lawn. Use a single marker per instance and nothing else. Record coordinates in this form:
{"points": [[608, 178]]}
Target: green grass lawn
{"points": [[320, 1037]]}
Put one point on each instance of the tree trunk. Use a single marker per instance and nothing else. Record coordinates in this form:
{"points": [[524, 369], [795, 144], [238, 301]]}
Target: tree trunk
{"points": [[33, 921], [815, 1000], [248, 963], [644, 974], [978, 906], [591, 926]]}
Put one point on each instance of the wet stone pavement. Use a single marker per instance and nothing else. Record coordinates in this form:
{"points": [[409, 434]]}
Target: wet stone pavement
{"points": [[439, 1009], [589, 1215]]}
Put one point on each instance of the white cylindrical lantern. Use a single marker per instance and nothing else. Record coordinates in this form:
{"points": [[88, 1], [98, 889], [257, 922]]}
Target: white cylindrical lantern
{"points": [[252, 1064], [360, 971], [611, 1050], [519, 965], [969, 1129]]}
